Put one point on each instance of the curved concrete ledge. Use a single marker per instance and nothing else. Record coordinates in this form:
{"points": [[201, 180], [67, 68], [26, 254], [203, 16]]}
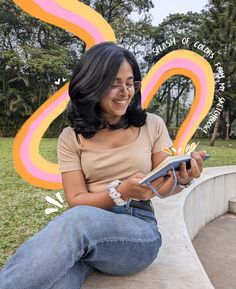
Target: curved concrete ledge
{"points": [[209, 198], [180, 218]]}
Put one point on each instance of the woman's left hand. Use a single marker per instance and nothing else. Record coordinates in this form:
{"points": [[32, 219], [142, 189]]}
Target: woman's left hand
{"points": [[185, 176]]}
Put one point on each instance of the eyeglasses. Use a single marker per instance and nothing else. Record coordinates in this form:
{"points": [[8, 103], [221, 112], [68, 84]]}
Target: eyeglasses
{"points": [[131, 87]]}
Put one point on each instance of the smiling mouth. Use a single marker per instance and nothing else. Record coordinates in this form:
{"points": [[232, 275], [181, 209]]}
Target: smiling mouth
{"points": [[123, 101]]}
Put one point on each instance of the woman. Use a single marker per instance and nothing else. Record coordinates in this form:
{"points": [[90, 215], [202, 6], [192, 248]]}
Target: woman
{"points": [[111, 144]]}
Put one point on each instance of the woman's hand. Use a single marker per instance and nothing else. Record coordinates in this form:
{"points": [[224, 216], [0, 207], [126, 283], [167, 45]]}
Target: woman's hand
{"points": [[130, 188], [183, 176]]}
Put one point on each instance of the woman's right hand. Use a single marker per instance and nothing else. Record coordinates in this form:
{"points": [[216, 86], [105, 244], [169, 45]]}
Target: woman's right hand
{"points": [[130, 188]]}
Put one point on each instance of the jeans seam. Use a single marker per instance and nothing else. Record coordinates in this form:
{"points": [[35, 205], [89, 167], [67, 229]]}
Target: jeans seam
{"points": [[121, 240], [63, 273], [94, 244], [85, 275]]}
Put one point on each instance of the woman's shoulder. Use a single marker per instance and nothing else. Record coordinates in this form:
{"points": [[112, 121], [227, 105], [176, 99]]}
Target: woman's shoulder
{"points": [[68, 140], [67, 132], [158, 132], [68, 136], [154, 120], [155, 125]]}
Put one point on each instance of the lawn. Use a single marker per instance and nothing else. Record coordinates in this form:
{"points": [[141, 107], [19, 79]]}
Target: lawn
{"points": [[222, 154], [22, 206]]}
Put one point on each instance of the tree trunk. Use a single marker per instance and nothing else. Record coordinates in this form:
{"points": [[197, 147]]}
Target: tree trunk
{"points": [[168, 106], [177, 114], [214, 134], [227, 124]]}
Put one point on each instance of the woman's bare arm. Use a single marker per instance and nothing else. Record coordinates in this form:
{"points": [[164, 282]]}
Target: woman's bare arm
{"points": [[76, 192]]}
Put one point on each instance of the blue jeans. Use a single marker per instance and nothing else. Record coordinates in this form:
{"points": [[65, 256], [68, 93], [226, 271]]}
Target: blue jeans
{"points": [[117, 241]]}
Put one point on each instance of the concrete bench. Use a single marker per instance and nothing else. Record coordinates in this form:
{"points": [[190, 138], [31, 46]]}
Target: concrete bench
{"points": [[180, 218]]}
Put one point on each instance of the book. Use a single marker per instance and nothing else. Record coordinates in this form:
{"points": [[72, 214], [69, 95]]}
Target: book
{"points": [[168, 164]]}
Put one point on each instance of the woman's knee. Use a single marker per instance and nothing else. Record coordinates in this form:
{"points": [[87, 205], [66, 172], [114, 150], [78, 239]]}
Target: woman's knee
{"points": [[78, 215], [81, 212], [127, 258]]}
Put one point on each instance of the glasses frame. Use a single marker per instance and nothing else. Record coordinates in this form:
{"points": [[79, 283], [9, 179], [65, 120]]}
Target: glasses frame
{"points": [[136, 85]]}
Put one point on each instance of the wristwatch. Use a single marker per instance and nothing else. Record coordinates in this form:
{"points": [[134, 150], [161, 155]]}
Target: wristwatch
{"points": [[114, 194], [185, 185]]}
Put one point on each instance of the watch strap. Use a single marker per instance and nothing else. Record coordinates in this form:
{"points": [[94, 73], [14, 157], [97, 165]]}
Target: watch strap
{"points": [[114, 194], [183, 186]]}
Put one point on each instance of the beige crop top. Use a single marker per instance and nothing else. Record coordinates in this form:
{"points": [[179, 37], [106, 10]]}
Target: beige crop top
{"points": [[105, 165]]}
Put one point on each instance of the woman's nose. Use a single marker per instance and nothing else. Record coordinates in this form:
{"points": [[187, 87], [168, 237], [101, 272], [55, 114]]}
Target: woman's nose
{"points": [[124, 89]]}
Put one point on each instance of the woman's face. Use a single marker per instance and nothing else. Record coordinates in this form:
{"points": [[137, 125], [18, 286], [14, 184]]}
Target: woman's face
{"points": [[116, 102]]}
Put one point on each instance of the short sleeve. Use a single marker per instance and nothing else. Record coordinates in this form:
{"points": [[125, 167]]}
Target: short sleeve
{"points": [[67, 151], [158, 133]]}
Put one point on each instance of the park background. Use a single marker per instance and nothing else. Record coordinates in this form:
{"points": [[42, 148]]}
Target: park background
{"points": [[35, 55]]}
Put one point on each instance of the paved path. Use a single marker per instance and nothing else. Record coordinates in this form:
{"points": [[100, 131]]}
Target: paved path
{"points": [[216, 247]]}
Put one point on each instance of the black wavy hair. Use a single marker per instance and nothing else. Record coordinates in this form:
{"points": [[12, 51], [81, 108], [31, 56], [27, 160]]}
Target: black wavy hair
{"points": [[91, 80]]}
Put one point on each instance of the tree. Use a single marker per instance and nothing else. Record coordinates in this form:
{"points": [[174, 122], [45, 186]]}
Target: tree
{"points": [[35, 54], [219, 31], [173, 30], [32, 53], [131, 23]]}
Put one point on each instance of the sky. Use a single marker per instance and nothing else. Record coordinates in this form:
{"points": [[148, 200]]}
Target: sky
{"points": [[165, 7]]}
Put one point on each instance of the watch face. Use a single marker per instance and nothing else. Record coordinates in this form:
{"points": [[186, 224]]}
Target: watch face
{"points": [[116, 195]]}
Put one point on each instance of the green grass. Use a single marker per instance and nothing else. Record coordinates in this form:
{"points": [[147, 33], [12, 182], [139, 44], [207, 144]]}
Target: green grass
{"points": [[222, 154], [22, 205]]}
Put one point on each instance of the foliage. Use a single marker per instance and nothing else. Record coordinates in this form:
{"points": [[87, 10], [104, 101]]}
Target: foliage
{"points": [[215, 30], [131, 22], [219, 31], [176, 26], [171, 99], [35, 54]]}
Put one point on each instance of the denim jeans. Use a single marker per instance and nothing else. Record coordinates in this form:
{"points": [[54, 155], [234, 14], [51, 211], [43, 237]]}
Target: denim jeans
{"points": [[118, 241]]}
